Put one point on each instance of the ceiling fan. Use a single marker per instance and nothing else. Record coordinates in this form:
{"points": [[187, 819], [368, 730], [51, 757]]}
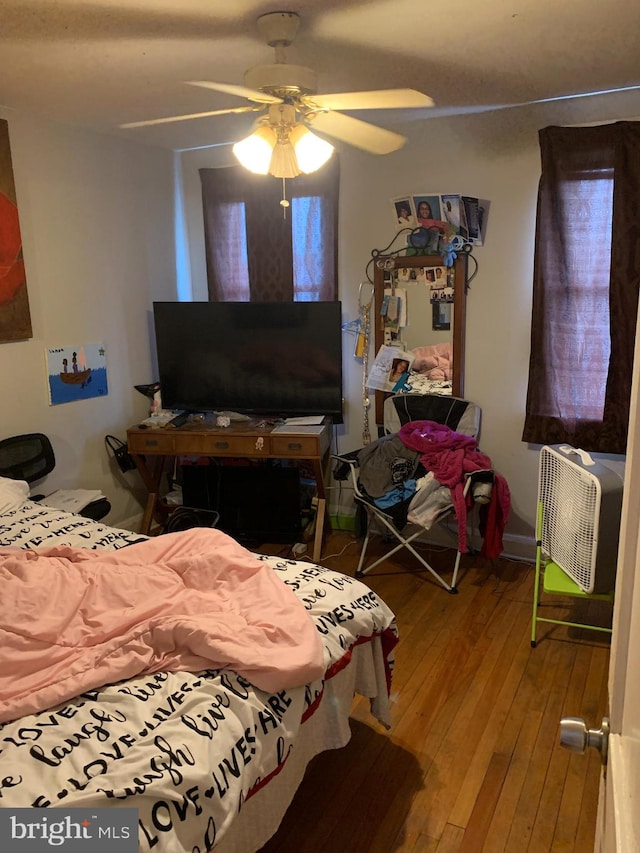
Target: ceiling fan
{"points": [[286, 96]]}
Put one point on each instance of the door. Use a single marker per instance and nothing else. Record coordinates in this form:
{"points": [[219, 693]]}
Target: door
{"points": [[618, 827]]}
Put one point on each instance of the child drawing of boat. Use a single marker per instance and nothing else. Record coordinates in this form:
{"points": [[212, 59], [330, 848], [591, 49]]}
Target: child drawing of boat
{"points": [[79, 378], [80, 374]]}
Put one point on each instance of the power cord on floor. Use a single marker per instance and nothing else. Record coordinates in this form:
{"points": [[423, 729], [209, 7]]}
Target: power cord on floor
{"points": [[299, 552], [340, 553]]}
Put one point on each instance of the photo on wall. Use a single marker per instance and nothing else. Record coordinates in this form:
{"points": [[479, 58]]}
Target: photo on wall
{"points": [[403, 213], [428, 212], [453, 213], [76, 373]]}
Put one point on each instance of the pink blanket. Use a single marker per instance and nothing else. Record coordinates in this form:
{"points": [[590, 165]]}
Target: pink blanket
{"points": [[74, 619], [433, 360]]}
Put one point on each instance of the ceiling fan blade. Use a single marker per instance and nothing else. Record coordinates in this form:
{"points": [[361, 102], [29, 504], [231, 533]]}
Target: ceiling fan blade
{"points": [[361, 134], [152, 121], [381, 99], [240, 91]]}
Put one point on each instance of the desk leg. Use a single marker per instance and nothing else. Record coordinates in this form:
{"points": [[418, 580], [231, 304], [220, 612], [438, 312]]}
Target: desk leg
{"points": [[317, 541], [151, 475], [318, 474], [322, 510], [147, 518]]}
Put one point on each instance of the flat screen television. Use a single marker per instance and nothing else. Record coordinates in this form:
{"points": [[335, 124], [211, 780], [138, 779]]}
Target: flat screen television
{"points": [[282, 359]]}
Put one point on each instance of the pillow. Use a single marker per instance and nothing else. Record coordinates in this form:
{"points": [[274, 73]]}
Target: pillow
{"points": [[13, 493]]}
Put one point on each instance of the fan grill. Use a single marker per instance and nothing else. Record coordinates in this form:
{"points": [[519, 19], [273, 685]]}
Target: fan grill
{"points": [[570, 500]]}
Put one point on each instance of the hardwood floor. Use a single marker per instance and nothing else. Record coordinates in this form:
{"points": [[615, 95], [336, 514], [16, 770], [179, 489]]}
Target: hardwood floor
{"points": [[472, 761]]}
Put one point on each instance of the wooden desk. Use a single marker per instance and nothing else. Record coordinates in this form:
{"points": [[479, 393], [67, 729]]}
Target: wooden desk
{"points": [[151, 449]]}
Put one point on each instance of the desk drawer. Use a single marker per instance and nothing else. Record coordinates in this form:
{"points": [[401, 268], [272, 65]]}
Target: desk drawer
{"points": [[287, 446], [151, 441], [220, 444]]}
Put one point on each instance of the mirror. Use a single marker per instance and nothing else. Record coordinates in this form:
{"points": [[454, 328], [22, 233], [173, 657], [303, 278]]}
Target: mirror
{"points": [[428, 321]]}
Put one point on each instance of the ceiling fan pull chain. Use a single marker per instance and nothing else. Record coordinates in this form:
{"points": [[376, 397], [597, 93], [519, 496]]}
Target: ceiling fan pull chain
{"points": [[284, 203]]}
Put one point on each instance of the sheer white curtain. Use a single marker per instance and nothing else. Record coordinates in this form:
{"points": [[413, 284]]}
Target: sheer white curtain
{"points": [[578, 320], [312, 228], [233, 264]]}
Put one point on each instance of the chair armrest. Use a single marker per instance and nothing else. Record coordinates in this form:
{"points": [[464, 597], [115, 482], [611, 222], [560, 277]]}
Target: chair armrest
{"points": [[347, 466], [480, 483]]}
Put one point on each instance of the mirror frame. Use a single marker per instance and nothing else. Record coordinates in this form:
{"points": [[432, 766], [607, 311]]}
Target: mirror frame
{"points": [[459, 316]]}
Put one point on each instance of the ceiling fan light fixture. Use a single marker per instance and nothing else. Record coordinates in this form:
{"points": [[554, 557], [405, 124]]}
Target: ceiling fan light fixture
{"points": [[255, 151], [284, 163], [311, 151], [283, 151]]}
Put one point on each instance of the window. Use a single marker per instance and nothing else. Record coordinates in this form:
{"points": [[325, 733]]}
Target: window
{"points": [[310, 260], [233, 270], [585, 292], [254, 252]]}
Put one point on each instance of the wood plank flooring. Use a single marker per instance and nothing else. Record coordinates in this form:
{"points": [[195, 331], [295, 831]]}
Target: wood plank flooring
{"points": [[472, 762]]}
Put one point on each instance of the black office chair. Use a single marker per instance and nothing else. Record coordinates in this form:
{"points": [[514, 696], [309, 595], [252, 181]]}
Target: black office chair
{"points": [[30, 457], [26, 457]]}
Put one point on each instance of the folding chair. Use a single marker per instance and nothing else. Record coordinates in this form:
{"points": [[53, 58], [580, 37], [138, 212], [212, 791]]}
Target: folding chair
{"points": [[462, 416]]}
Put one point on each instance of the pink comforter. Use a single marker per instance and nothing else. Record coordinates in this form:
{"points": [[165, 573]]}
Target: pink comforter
{"points": [[74, 619]]}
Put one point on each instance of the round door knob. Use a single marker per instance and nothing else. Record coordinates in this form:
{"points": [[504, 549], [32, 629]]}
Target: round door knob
{"points": [[575, 735]]}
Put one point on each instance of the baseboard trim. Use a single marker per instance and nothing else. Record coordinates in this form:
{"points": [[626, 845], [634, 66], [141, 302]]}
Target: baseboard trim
{"points": [[520, 548]]}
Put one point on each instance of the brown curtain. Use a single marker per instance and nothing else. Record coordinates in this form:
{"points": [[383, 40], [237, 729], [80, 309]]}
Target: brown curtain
{"points": [[587, 256], [249, 243]]}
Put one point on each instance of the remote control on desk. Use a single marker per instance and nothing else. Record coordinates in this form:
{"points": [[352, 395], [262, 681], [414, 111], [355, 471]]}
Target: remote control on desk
{"points": [[179, 420]]}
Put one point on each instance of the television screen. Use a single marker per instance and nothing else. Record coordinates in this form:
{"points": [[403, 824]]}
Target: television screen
{"points": [[269, 358]]}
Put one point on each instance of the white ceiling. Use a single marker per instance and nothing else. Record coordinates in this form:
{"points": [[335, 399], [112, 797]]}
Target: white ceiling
{"points": [[100, 63]]}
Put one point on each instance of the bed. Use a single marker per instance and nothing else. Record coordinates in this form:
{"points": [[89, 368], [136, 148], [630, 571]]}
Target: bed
{"points": [[207, 759], [431, 369]]}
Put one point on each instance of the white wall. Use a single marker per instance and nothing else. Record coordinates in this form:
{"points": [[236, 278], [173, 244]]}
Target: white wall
{"points": [[493, 155], [96, 216]]}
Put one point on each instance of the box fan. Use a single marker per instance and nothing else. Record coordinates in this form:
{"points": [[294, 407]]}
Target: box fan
{"points": [[581, 507]]}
